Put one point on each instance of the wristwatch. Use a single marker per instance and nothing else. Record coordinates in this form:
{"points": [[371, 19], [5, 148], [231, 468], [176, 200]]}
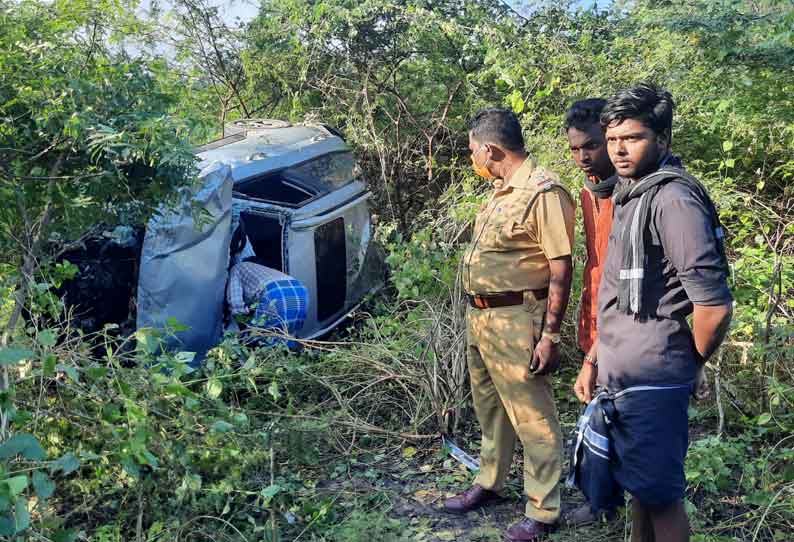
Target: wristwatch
{"points": [[553, 337], [590, 360]]}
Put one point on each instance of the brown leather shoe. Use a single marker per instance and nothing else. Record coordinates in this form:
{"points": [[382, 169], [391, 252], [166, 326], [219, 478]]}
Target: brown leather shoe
{"points": [[529, 530], [473, 498]]}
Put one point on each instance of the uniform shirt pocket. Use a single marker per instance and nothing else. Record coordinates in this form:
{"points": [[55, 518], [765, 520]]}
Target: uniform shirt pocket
{"points": [[494, 233], [512, 231]]}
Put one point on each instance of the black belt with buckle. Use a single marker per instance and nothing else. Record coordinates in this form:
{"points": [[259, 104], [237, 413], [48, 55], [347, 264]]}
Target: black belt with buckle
{"points": [[506, 299]]}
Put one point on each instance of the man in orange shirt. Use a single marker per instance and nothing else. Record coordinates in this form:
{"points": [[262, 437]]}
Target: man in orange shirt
{"points": [[589, 150]]}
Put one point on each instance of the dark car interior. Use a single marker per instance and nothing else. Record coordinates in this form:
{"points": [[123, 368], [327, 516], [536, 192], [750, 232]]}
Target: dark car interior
{"points": [[266, 234], [276, 188]]}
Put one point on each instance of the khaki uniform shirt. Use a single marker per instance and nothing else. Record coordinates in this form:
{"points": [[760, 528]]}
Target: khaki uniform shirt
{"points": [[513, 243]]}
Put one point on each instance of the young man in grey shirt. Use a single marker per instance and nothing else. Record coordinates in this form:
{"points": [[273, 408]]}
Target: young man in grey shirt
{"points": [[665, 261]]}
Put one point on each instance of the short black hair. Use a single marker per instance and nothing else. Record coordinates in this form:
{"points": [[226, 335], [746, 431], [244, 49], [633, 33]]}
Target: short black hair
{"points": [[584, 113], [498, 126], [651, 105]]}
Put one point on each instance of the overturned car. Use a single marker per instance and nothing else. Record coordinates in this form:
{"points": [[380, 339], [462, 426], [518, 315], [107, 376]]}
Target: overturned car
{"points": [[299, 197]]}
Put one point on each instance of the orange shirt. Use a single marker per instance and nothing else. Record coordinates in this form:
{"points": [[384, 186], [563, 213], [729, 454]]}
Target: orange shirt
{"points": [[597, 215]]}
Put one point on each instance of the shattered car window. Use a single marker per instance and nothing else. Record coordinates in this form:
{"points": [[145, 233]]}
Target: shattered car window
{"points": [[326, 173]]}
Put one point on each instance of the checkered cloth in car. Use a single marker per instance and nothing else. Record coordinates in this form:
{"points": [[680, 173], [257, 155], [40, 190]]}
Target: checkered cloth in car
{"points": [[280, 301]]}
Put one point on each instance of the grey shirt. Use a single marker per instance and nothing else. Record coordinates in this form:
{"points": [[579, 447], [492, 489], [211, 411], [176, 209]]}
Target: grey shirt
{"points": [[683, 267]]}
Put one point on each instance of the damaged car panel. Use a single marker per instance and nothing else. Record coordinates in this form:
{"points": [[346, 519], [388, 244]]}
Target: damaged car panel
{"points": [[184, 264]]}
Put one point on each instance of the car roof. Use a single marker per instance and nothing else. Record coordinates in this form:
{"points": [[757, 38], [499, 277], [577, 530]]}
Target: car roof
{"points": [[264, 146]]}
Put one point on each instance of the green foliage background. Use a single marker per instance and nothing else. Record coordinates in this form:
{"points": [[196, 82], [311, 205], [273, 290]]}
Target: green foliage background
{"points": [[100, 102]]}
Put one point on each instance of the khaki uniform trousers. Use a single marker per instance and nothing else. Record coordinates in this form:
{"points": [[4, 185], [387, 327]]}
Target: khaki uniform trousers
{"points": [[509, 401]]}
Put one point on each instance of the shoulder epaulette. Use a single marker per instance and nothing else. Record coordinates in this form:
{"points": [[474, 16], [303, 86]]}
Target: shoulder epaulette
{"points": [[545, 184]]}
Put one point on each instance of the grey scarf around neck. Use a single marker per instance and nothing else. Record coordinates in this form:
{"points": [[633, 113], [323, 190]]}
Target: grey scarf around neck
{"points": [[602, 189], [636, 232]]}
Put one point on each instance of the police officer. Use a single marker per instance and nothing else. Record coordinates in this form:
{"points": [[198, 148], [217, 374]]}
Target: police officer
{"points": [[517, 276]]}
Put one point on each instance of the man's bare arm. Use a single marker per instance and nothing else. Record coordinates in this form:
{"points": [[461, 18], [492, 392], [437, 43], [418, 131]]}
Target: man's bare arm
{"points": [[588, 374], [709, 326], [546, 357], [561, 271]]}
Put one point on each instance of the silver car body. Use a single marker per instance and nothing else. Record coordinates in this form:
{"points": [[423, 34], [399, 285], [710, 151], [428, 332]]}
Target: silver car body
{"points": [[304, 204]]}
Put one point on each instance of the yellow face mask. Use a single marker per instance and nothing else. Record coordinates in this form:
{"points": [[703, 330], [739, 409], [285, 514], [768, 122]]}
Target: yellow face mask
{"points": [[482, 171]]}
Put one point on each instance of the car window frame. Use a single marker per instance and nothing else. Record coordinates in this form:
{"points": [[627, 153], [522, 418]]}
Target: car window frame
{"points": [[294, 181]]}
